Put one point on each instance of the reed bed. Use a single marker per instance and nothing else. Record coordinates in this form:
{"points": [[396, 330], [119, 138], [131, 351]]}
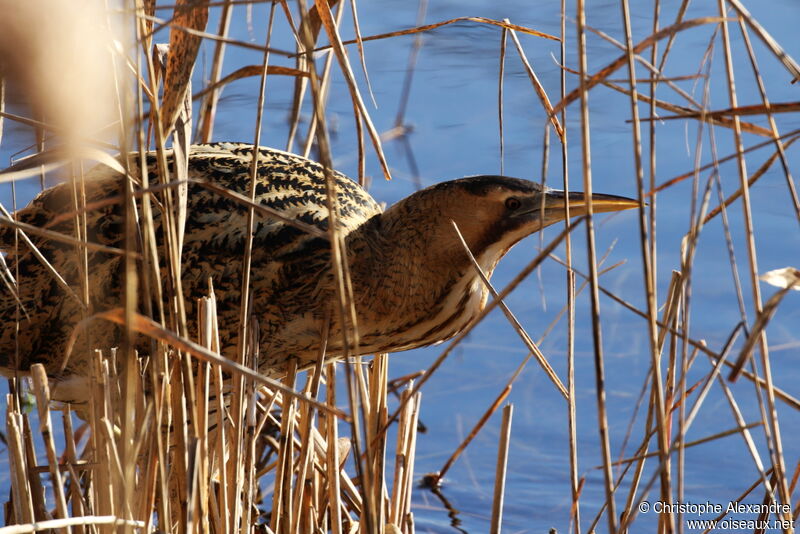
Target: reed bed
{"points": [[160, 448]]}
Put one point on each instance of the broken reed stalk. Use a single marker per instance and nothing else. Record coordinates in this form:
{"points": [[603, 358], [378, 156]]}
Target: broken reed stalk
{"points": [[312, 489], [500, 472]]}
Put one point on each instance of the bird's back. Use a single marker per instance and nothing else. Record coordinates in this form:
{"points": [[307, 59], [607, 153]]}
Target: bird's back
{"points": [[214, 243]]}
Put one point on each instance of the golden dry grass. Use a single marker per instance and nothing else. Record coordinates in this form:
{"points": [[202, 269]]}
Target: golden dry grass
{"points": [[146, 457]]}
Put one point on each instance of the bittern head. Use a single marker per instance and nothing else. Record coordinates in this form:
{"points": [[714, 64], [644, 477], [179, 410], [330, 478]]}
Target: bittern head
{"points": [[493, 213], [416, 282]]}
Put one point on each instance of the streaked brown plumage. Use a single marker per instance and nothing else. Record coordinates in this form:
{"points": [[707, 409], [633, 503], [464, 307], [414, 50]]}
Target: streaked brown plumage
{"points": [[413, 283]]}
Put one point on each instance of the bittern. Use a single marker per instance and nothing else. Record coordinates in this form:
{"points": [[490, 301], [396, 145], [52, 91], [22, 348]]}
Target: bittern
{"points": [[413, 283]]}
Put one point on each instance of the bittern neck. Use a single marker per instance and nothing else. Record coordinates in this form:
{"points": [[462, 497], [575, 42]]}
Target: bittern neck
{"points": [[412, 279]]}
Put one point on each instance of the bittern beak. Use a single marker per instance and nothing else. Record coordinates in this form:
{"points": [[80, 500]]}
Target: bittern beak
{"points": [[542, 210], [554, 203]]}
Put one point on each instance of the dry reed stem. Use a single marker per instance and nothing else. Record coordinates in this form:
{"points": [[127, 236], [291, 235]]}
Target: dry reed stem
{"points": [[183, 49], [781, 394], [526, 339], [741, 497], [70, 522], [582, 92], [37, 490], [606, 71], [575, 509], [208, 107], [163, 23], [762, 319], [332, 457], [63, 238], [647, 269], [741, 429], [524, 273], [761, 171], [669, 183], [481, 20], [360, 109], [649, 65], [247, 72], [42, 391], [326, 80], [20, 489], [145, 325], [746, 436], [361, 55], [248, 336], [537, 85], [439, 475], [404, 461], [300, 84], [315, 492], [345, 306], [500, 472], [2, 105], [681, 110], [500, 84], [56, 276], [740, 111], [71, 460], [679, 438], [53, 129], [790, 64], [772, 430], [773, 125]]}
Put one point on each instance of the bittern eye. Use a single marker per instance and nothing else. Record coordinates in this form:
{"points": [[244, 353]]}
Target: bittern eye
{"points": [[513, 203]]}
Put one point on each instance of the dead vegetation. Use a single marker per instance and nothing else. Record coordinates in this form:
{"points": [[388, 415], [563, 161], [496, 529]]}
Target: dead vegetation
{"points": [[294, 457]]}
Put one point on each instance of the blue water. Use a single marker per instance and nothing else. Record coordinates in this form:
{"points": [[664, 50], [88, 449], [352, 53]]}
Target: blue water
{"points": [[453, 111]]}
